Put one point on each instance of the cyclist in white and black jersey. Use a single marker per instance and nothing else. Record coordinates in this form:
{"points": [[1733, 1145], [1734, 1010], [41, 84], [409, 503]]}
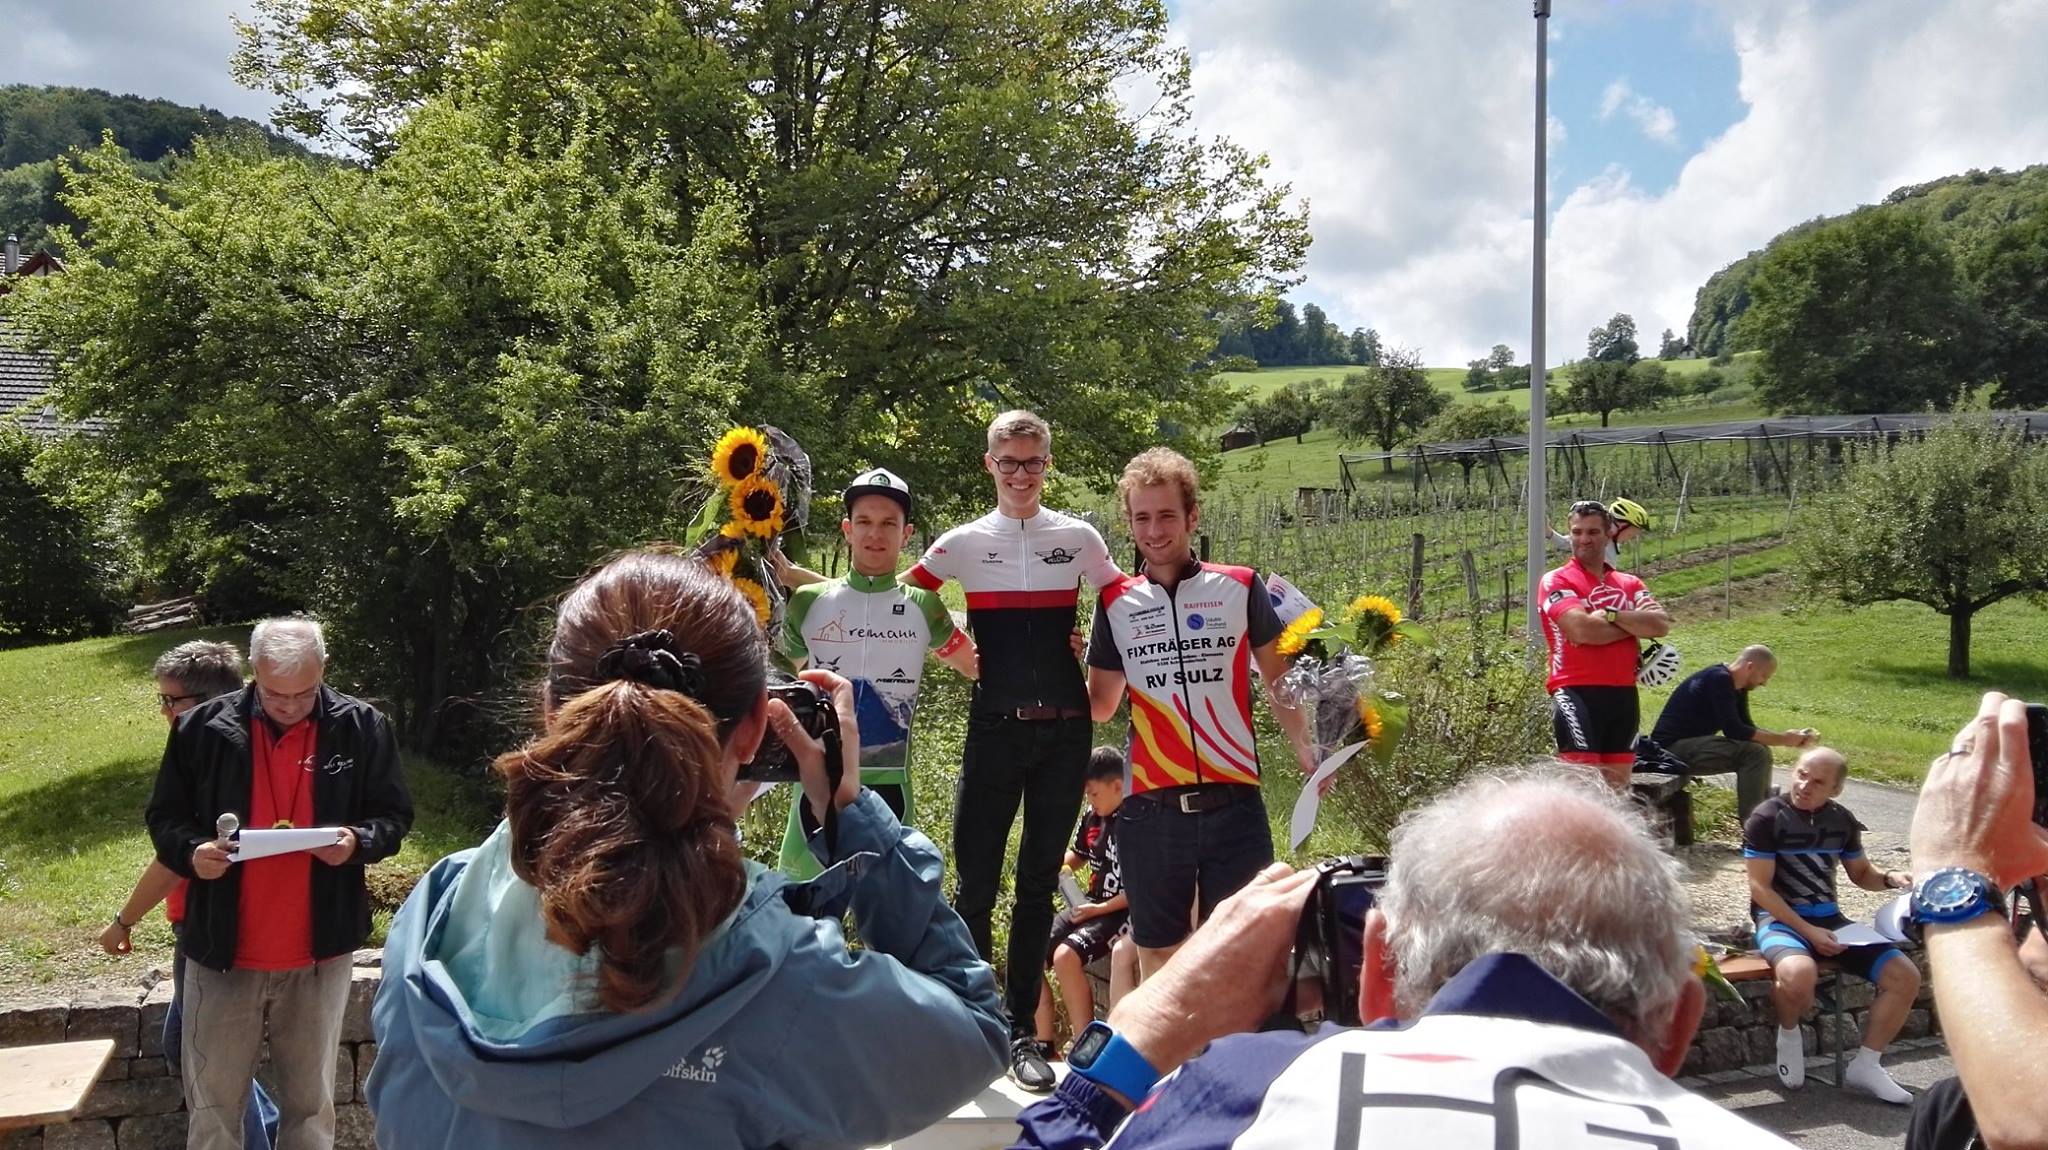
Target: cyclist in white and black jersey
{"points": [[1028, 732]]}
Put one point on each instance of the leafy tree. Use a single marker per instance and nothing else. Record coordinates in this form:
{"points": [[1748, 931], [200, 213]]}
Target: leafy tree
{"points": [[1290, 410], [1501, 358], [1477, 377], [1607, 386], [1321, 341], [57, 577], [1476, 421], [1513, 378], [1865, 314], [1277, 342], [1614, 341], [1365, 347], [437, 389], [1387, 403], [2009, 275], [1957, 522], [946, 206], [1670, 346]]}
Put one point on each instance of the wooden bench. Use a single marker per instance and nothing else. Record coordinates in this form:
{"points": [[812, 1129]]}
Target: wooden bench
{"points": [[40, 1085], [1752, 967]]}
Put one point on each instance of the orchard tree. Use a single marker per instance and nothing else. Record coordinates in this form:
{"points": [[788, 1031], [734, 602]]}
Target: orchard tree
{"points": [[1501, 358], [1862, 314], [1387, 403], [1607, 386], [1956, 522]]}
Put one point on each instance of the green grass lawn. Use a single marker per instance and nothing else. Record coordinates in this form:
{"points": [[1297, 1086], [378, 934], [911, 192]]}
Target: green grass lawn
{"points": [[1872, 680], [80, 739]]}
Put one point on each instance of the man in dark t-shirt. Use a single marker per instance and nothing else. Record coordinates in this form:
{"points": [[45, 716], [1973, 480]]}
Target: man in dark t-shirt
{"points": [[1706, 725], [1791, 844]]}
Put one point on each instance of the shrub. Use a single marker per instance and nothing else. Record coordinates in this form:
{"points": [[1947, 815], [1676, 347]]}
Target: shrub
{"points": [[58, 566]]}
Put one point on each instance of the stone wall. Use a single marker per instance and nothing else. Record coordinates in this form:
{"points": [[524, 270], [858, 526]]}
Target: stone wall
{"points": [[1734, 1035], [137, 1105]]}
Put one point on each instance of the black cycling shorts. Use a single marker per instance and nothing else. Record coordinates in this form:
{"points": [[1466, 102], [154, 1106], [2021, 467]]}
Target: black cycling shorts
{"points": [[1595, 725], [1091, 940]]}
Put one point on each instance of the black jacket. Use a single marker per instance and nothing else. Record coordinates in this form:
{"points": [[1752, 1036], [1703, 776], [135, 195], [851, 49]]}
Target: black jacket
{"points": [[208, 769]]}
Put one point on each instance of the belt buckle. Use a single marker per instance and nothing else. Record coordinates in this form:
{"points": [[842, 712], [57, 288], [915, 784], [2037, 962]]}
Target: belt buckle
{"points": [[1187, 797]]}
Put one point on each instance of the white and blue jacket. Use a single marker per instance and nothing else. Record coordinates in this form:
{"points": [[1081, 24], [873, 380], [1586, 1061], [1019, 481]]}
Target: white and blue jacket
{"points": [[1505, 1057], [780, 1036]]}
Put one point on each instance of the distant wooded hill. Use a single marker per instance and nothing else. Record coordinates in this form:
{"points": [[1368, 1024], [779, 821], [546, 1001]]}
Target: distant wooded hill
{"points": [[1967, 211], [40, 124]]}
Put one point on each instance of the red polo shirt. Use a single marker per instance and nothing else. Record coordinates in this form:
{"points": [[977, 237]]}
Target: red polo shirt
{"points": [[276, 904]]}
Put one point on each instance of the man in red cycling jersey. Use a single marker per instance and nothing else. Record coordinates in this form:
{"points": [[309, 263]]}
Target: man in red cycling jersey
{"points": [[1184, 638], [1592, 617]]}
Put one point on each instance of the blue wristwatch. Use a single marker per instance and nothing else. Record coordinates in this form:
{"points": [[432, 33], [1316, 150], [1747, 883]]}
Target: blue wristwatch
{"points": [[1954, 894], [1103, 1057]]}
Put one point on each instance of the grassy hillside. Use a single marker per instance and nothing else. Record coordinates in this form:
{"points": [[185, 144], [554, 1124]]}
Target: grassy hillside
{"points": [[80, 740]]}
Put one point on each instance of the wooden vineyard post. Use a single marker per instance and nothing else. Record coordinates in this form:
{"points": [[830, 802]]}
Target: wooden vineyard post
{"points": [[1415, 576]]}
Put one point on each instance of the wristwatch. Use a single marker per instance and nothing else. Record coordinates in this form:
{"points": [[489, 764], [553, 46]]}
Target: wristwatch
{"points": [[1611, 615], [122, 925], [1955, 894], [1103, 1057]]}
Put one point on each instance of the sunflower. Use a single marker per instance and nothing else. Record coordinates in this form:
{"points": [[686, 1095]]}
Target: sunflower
{"points": [[723, 560], [1295, 637], [1370, 716], [731, 530], [756, 595], [738, 456], [756, 505], [1374, 618]]}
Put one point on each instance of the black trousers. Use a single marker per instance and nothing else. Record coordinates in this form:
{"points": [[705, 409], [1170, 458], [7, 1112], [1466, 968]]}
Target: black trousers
{"points": [[1039, 764]]}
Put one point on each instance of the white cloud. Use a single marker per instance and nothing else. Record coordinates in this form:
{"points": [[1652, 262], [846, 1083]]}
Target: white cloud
{"points": [[1653, 118], [1408, 128]]}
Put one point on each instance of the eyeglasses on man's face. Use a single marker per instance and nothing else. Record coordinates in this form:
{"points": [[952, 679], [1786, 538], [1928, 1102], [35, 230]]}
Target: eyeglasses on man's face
{"points": [[1033, 466], [171, 702]]}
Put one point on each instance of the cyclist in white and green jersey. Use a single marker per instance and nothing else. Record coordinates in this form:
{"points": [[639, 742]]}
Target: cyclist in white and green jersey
{"points": [[876, 632]]}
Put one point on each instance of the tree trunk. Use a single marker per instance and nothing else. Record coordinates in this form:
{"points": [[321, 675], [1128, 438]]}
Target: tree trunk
{"points": [[1959, 642], [1603, 419]]}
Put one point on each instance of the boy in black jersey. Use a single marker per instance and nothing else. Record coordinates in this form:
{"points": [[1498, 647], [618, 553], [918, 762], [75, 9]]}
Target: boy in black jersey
{"points": [[1084, 934], [1791, 844]]}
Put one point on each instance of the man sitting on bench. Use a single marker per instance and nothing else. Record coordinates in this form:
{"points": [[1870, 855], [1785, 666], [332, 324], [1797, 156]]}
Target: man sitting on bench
{"points": [[1706, 725], [1791, 844]]}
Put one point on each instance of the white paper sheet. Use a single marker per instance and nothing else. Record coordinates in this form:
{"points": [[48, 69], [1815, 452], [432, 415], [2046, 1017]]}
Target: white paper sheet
{"points": [[1310, 802], [1860, 934], [1288, 601], [264, 844]]}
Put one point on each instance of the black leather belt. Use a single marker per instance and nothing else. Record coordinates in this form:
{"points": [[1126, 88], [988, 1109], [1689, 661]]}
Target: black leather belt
{"points": [[1041, 714], [1201, 797]]}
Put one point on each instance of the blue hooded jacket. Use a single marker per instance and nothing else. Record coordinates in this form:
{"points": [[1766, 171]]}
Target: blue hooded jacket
{"points": [[488, 1038]]}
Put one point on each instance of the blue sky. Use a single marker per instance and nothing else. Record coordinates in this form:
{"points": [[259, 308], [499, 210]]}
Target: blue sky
{"points": [[1687, 132]]}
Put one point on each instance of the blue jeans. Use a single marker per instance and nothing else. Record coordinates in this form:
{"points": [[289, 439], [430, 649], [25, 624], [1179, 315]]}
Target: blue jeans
{"points": [[259, 1119]]}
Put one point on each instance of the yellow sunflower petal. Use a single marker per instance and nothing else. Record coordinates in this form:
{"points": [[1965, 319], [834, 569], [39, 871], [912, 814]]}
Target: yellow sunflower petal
{"points": [[756, 505], [1295, 636], [1376, 605], [757, 596], [739, 456]]}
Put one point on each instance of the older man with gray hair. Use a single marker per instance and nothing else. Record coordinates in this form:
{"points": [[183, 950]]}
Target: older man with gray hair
{"points": [[1531, 941], [269, 939]]}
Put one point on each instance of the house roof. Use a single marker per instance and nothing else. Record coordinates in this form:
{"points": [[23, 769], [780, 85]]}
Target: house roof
{"points": [[25, 381]]}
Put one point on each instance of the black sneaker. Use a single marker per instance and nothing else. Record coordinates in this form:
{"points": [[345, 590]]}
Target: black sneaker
{"points": [[1028, 1067]]}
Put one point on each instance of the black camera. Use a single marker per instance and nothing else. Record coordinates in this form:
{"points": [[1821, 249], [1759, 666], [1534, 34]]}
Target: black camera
{"points": [[1330, 942], [2037, 750], [773, 763]]}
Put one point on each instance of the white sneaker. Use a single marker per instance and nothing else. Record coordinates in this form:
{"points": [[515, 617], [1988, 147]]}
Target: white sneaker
{"points": [[1792, 1059], [1864, 1073]]}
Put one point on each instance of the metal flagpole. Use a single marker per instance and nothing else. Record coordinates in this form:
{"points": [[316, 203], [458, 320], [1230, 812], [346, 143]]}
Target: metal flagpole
{"points": [[1539, 518]]}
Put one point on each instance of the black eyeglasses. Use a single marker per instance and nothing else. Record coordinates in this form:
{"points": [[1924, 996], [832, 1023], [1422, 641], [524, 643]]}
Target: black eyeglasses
{"points": [[1033, 466], [168, 701]]}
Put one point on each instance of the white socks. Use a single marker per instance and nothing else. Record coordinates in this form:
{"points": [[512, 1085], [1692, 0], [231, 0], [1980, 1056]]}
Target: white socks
{"points": [[1866, 1075], [1792, 1059]]}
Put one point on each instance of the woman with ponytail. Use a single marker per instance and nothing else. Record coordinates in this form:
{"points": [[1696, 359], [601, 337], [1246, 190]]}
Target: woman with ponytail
{"points": [[609, 969]]}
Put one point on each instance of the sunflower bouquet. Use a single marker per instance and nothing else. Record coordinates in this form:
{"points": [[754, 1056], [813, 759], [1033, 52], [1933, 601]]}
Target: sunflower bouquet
{"points": [[1334, 677], [761, 492]]}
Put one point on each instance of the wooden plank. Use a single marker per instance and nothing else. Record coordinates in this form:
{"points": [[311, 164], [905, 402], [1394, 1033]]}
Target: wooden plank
{"points": [[43, 1084]]}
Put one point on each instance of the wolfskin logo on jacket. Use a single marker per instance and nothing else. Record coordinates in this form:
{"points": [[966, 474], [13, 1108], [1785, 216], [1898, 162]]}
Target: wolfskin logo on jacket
{"points": [[706, 1073], [1058, 555]]}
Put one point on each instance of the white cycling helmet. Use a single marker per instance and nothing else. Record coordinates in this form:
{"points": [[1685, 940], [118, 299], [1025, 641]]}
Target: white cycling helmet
{"points": [[1656, 664]]}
